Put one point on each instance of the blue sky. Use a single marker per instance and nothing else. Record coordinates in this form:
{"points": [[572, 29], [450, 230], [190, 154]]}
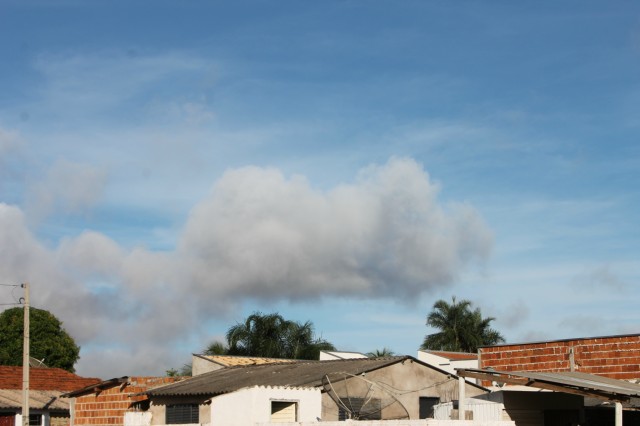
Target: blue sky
{"points": [[166, 168]]}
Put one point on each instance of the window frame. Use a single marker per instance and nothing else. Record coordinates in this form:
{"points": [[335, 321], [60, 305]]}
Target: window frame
{"points": [[175, 414]]}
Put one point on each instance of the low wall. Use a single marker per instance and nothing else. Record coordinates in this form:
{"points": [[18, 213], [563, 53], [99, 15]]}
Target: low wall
{"points": [[426, 422]]}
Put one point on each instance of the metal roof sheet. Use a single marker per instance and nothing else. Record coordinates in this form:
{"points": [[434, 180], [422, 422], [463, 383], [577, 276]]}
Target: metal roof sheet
{"points": [[562, 381], [298, 374], [38, 400]]}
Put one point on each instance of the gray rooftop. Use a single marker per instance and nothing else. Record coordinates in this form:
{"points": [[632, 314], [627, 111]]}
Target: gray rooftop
{"points": [[575, 382], [39, 400], [299, 374]]}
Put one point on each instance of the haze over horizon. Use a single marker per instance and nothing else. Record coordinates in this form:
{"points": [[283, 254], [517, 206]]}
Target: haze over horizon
{"points": [[168, 168]]}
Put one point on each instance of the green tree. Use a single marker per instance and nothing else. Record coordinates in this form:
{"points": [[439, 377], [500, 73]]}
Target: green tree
{"points": [[272, 336], [184, 371], [215, 348], [381, 353], [49, 342], [461, 328]]}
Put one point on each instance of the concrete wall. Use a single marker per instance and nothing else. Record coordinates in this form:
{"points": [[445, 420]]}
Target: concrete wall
{"points": [[248, 406], [407, 382], [201, 366], [617, 357]]}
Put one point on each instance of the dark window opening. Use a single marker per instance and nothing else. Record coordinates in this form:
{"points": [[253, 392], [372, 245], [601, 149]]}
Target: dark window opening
{"points": [[360, 409], [182, 414], [35, 419], [426, 406]]}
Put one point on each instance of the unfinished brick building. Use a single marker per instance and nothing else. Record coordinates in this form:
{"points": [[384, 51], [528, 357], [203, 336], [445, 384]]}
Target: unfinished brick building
{"points": [[617, 357], [105, 403]]}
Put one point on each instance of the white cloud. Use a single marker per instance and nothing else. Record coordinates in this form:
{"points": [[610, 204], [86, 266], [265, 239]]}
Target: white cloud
{"points": [[262, 235], [258, 235]]}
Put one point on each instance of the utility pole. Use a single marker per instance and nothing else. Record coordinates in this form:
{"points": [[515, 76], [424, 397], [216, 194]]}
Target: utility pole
{"points": [[25, 359]]}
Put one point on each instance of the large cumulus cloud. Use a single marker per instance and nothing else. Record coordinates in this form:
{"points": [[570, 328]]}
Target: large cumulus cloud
{"points": [[258, 235]]}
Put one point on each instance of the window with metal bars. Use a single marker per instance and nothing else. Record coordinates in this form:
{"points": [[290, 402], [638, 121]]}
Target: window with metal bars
{"points": [[35, 419], [182, 414]]}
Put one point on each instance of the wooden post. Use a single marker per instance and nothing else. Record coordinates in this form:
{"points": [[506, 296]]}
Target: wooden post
{"points": [[618, 414], [25, 359], [461, 407]]}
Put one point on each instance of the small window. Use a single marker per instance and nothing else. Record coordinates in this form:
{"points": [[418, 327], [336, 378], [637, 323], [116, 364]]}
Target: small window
{"points": [[426, 406], [35, 419], [360, 409], [284, 411], [182, 414]]}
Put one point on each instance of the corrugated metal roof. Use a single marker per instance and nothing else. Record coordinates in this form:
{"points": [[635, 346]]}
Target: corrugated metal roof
{"points": [[298, 374], [38, 400], [562, 381]]}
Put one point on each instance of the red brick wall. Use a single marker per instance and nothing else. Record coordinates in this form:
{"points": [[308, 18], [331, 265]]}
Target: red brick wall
{"points": [[617, 357], [43, 379], [107, 407]]}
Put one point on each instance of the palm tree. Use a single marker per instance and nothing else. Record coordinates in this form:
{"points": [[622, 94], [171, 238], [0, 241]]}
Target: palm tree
{"points": [[461, 329], [215, 348], [381, 353], [272, 336]]}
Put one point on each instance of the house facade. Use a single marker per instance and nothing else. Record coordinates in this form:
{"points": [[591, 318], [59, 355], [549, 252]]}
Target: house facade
{"points": [[106, 403], [372, 389]]}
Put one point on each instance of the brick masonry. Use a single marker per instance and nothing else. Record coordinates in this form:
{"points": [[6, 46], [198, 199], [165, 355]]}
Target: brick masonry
{"points": [[107, 407], [43, 379], [617, 357]]}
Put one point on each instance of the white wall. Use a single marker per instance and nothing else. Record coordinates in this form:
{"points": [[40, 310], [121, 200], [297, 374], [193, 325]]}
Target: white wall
{"points": [[252, 405], [137, 418], [429, 422], [45, 418], [446, 364], [333, 355]]}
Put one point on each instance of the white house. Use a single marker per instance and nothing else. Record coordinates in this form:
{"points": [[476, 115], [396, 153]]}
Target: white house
{"points": [[449, 361]]}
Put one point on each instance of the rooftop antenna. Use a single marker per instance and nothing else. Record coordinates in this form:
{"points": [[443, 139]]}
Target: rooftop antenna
{"points": [[362, 399]]}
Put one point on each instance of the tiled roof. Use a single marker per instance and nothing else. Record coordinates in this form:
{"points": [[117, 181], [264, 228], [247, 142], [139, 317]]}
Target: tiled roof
{"points": [[234, 361], [38, 400], [43, 379], [454, 355]]}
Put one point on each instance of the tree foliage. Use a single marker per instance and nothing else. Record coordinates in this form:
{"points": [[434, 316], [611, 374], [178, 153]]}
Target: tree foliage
{"points": [[184, 371], [272, 336], [380, 353], [462, 329], [216, 348], [49, 342]]}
